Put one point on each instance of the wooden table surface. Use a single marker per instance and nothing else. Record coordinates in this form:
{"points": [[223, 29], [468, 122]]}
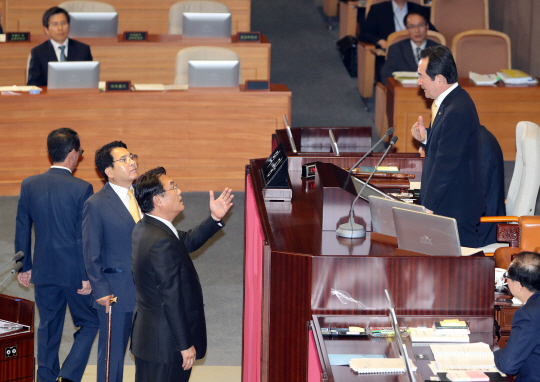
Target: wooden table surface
{"points": [[499, 107], [204, 138], [150, 61], [133, 15]]}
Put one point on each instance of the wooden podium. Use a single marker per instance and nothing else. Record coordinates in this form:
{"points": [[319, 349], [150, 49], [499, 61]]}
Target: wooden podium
{"points": [[17, 347]]}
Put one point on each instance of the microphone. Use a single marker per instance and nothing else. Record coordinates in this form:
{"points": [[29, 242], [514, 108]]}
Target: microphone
{"points": [[16, 258], [15, 269], [390, 131], [351, 230]]}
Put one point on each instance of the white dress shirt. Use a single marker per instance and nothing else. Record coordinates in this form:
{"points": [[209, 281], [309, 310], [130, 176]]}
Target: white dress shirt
{"points": [[57, 50], [123, 195], [62, 167], [399, 15], [167, 223]]}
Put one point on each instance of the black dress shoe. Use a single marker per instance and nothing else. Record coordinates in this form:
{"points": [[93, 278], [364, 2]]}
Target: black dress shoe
{"points": [[63, 379]]}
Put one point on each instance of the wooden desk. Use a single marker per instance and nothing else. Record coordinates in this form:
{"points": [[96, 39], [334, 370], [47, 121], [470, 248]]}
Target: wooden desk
{"points": [[292, 266], [141, 62], [133, 15], [203, 138], [499, 108]]}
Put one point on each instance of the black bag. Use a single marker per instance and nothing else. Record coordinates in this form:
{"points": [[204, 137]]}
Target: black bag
{"points": [[347, 47]]}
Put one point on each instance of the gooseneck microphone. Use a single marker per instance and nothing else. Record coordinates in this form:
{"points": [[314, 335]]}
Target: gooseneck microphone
{"points": [[351, 230], [390, 131], [16, 258], [15, 269]]}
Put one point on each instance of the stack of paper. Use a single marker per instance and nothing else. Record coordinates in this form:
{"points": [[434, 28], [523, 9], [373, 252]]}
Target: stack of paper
{"points": [[406, 78], [429, 335], [516, 77], [483, 79], [379, 365], [477, 348]]}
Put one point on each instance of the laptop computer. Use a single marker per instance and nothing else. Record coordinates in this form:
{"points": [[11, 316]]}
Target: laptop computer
{"points": [[382, 218], [429, 234]]}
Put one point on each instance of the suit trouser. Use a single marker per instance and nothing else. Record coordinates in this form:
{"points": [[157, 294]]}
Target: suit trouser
{"points": [[120, 332], [146, 371], [51, 301]]}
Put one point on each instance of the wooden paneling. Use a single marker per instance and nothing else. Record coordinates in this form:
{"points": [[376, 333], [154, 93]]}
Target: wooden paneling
{"points": [[203, 138], [133, 15], [141, 62], [499, 108]]}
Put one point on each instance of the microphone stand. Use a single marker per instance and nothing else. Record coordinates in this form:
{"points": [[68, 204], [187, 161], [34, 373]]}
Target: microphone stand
{"points": [[15, 269], [390, 131], [350, 229], [19, 255]]}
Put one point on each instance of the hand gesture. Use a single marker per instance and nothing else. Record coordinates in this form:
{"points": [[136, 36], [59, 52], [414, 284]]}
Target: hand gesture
{"points": [[419, 131], [86, 288], [24, 278], [220, 206]]}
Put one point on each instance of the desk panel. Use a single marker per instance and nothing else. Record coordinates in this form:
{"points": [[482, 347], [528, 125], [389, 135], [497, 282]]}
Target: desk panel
{"points": [[133, 15], [203, 138], [499, 108], [150, 61]]}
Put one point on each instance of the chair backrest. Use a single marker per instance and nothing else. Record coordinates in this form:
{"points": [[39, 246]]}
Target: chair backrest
{"points": [[403, 35], [177, 11], [451, 17], [87, 6], [523, 191], [201, 53], [482, 51], [369, 3]]}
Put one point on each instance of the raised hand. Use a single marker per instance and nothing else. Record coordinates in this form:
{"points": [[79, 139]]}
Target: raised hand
{"points": [[220, 206], [419, 130]]}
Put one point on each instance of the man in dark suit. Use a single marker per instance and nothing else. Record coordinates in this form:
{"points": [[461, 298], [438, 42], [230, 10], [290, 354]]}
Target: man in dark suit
{"points": [[109, 217], [53, 203], [58, 48], [521, 355], [388, 17], [169, 329], [405, 54], [451, 182]]}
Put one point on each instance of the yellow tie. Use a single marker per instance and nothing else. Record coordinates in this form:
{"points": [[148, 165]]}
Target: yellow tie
{"points": [[434, 109], [133, 207]]}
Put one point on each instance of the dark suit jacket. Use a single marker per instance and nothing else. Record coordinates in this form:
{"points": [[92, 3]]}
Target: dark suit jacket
{"points": [[400, 57], [169, 316], [43, 53], [107, 229], [492, 165], [451, 178], [53, 202], [380, 21], [521, 354]]}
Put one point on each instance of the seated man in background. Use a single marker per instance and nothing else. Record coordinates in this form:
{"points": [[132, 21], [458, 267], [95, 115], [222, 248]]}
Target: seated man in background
{"points": [[58, 48], [404, 55], [521, 355]]}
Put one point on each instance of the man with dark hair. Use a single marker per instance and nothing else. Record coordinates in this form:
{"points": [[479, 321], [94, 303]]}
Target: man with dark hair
{"points": [[521, 355], [405, 54], [53, 203], [169, 329], [451, 182], [109, 217], [58, 48]]}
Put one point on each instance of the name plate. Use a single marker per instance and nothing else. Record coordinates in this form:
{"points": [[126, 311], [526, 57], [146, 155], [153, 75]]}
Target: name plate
{"points": [[114, 86], [252, 85], [135, 36], [249, 36], [17, 36]]}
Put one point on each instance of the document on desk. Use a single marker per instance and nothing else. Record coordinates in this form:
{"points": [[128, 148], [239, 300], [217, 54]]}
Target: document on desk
{"points": [[467, 251], [345, 359], [429, 335], [379, 365], [477, 348], [464, 362]]}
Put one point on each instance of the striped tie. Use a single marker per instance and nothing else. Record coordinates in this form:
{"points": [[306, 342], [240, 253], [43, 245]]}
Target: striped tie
{"points": [[62, 54], [133, 207]]}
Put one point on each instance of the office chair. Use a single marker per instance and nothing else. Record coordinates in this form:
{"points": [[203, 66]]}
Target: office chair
{"points": [[86, 6], [201, 53], [200, 6]]}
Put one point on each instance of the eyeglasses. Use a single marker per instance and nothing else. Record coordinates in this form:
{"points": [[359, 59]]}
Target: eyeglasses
{"points": [[419, 26], [506, 278], [80, 151], [55, 24], [174, 188], [125, 159]]}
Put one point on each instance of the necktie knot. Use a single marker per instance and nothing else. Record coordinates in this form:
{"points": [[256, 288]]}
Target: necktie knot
{"points": [[133, 207], [62, 53]]}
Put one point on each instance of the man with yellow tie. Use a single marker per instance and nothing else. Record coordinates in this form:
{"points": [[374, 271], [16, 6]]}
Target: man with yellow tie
{"points": [[451, 177], [109, 217]]}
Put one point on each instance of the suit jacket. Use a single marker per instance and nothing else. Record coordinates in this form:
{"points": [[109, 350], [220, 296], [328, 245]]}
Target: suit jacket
{"points": [[53, 202], [492, 165], [380, 21], [400, 57], [43, 53], [451, 179], [521, 354], [169, 316], [107, 229]]}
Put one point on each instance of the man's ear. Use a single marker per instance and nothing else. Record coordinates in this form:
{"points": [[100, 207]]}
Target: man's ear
{"points": [[46, 31], [109, 173], [157, 201]]}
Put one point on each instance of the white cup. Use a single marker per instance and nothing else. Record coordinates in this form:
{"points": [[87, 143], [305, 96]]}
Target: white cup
{"points": [[500, 281]]}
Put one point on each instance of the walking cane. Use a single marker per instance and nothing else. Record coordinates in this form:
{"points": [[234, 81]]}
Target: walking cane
{"points": [[109, 324]]}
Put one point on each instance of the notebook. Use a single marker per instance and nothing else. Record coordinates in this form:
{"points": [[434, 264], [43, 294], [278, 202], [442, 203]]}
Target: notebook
{"points": [[428, 233], [382, 218]]}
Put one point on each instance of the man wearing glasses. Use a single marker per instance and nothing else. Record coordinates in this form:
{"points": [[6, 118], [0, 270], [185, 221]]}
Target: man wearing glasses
{"points": [[521, 355], [58, 48], [109, 217], [169, 329], [53, 203], [405, 54]]}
